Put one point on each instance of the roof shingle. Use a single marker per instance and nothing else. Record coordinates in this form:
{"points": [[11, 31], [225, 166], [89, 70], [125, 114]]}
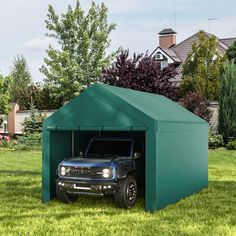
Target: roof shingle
{"points": [[228, 41], [180, 51]]}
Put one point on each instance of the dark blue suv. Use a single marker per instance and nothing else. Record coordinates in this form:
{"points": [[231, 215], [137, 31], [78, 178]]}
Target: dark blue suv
{"points": [[110, 165]]}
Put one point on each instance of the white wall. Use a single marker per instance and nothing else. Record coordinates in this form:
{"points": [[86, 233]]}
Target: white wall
{"points": [[20, 117]]}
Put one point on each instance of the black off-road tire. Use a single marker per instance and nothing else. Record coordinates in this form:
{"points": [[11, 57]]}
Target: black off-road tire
{"points": [[126, 192], [64, 197]]}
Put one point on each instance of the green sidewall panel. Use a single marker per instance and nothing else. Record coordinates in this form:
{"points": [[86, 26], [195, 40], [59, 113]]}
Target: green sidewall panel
{"points": [[46, 165], [182, 161], [60, 147], [151, 201]]}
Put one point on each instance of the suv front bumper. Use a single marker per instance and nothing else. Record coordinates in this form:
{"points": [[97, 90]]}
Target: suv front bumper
{"points": [[87, 187]]}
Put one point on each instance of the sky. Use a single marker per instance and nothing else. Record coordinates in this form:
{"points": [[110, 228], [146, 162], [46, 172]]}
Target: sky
{"points": [[23, 28]]}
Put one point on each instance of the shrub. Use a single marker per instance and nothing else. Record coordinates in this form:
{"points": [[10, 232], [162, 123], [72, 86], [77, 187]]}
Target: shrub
{"points": [[231, 145], [1, 121], [6, 143], [142, 73], [197, 104], [33, 123], [187, 85], [29, 142], [215, 141], [4, 140]]}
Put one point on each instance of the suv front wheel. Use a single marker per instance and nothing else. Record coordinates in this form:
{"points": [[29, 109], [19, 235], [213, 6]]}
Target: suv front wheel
{"points": [[126, 192]]}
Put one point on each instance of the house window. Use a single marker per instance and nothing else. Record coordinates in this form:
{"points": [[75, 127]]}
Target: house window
{"points": [[164, 64], [162, 59], [159, 57]]}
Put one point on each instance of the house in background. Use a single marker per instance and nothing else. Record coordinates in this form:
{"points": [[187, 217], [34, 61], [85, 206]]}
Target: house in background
{"points": [[169, 52]]}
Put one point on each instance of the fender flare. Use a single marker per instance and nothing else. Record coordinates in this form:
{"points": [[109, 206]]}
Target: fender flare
{"points": [[124, 171]]}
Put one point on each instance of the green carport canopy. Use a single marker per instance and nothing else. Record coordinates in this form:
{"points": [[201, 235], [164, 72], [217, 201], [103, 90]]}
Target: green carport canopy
{"points": [[176, 140]]}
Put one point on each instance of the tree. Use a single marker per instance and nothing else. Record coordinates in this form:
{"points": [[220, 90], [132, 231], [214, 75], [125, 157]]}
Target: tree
{"points": [[43, 98], [227, 103], [142, 73], [21, 81], [231, 52], [83, 40], [203, 68], [33, 123], [41, 95], [5, 84], [197, 104]]}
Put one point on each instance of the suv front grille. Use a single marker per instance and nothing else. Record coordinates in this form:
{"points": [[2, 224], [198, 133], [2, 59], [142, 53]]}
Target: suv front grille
{"points": [[84, 172]]}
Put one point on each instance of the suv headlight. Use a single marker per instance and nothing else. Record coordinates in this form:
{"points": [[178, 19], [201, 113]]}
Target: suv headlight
{"points": [[106, 173], [64, 170]]}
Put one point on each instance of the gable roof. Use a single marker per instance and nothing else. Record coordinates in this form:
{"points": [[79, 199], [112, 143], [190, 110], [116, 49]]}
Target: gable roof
{"points": [[169, 53], [113, 107], [183, 48], [178, 53], [155, 106], [228, 41]]}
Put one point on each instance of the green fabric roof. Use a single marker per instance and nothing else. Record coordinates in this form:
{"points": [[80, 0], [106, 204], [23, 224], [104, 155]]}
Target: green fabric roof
{"points": [[108, 107], [155, 106]]}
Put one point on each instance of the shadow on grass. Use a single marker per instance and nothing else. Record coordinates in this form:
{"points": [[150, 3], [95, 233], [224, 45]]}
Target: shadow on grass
{"points": [[20, 173], [217, 200], [18, 184]]}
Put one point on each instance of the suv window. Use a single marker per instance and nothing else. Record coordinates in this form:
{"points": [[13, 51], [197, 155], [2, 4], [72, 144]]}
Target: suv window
{"points": [[138, 148], [109, 147]]}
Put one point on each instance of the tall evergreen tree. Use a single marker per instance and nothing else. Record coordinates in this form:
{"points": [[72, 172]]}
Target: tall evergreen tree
{"points": [[21, 80], [33, 123], [83, 40], [227, 103], [203, 68]]}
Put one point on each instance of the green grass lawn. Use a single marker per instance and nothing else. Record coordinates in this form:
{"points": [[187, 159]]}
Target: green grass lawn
{"points": [[210, 212]]}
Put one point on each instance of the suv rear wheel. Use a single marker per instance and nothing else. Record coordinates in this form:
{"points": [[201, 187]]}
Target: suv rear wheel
{"points": [[63, 196], [126, 192]]}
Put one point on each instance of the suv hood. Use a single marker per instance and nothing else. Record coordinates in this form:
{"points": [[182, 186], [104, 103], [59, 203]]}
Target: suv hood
{"points": [[87, 162]]}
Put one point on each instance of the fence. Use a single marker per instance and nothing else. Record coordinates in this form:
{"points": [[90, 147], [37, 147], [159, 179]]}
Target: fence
{"points": [[16, 117]]}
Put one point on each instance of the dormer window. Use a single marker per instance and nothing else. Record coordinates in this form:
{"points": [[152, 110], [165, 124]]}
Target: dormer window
{"points": [[159, 56], [162, 59]]}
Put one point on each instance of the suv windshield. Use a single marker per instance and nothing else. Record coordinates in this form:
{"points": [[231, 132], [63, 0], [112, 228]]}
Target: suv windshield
{"points": [[109, 147]]}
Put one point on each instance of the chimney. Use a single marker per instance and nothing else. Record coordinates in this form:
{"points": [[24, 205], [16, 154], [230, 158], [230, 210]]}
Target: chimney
{"points": [[167, 38]]}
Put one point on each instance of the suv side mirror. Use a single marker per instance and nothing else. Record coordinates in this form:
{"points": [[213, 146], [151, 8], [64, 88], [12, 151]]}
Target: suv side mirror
{"points": [[137, 155]]}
